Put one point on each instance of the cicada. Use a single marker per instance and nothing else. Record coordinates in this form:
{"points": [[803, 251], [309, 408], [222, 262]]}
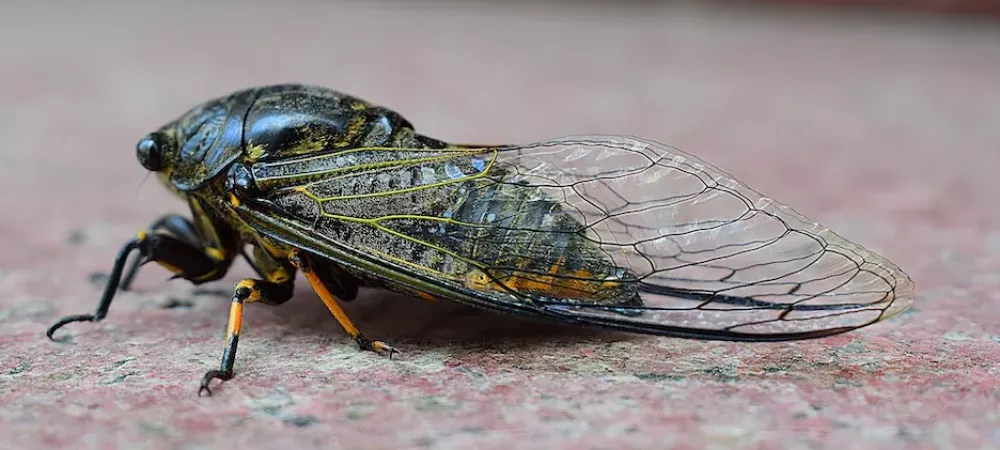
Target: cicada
{"points": [[606, 231]]}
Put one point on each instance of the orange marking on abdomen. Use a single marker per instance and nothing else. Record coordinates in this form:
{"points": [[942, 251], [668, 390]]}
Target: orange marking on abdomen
{"points": [[425, 296], [575, 284]]}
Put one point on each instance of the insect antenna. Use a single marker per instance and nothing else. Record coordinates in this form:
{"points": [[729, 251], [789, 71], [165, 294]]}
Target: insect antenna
{"points": [[142, 183]]}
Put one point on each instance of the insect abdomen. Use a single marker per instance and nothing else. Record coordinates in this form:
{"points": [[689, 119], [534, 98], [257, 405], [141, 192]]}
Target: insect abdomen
{"points": [[534, 247]]}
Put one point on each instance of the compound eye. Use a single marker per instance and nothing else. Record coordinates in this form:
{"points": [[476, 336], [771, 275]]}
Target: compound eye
{"points": [[150, 151]]}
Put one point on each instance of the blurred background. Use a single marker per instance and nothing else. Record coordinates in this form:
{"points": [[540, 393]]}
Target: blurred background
{"points": [[758, 88], [877, 118], [969, 7]]}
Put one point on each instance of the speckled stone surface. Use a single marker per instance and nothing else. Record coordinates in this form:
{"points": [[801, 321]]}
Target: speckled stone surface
{"points": [[885, 130]]}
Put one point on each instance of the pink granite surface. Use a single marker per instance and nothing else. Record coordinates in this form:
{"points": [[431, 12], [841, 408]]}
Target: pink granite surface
{"points": [[887, 130]]}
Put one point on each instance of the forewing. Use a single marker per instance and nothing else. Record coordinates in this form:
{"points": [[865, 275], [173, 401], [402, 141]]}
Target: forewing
{"points": [[711, 253], [683, 247]]}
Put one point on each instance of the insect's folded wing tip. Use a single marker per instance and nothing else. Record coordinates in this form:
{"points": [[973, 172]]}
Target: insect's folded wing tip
{"points": [[903, 296]]}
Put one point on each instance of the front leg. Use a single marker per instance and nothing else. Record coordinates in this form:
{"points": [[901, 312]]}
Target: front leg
{"points": [[186, 231], [182, 258]]}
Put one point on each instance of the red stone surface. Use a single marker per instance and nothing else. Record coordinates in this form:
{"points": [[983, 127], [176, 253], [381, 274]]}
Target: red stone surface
{"points": [[885, 130]]}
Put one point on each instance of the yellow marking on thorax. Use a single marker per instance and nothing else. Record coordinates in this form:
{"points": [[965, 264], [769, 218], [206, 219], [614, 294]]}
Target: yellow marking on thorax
{"points": [[351, 131], [255, 151]]}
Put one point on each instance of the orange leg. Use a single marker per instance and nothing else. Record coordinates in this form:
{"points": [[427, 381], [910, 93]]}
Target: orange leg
{"points": [[301, 262], [247, 291]]}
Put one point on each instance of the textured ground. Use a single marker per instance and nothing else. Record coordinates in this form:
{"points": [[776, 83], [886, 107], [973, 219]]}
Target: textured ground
{"points": [[883, 129]]}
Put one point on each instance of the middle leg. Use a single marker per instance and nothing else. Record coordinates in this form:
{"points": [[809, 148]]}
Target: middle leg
{"points": [[248, 290]]}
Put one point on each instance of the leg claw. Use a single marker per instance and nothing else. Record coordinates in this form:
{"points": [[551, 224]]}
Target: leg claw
{"points": [[375, 346], [383, 347], [209, 376]]}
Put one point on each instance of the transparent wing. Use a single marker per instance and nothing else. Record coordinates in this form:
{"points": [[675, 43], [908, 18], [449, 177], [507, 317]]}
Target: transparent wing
{"points": [[709, 252], [613, 231]]}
